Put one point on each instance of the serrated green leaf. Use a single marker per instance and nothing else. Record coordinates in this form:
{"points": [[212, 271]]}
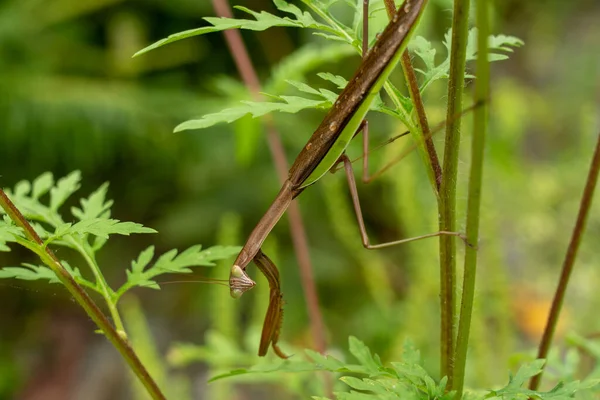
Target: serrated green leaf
{"points": [[22, 188], [337, 80], [61, 230], [326, 362], [171, 262], [139, 264], [29, 272], [561, 391], [304, 17], [303, 87], [363, 355], [177, 36], [100, 227], [424, 50], [64, 188], [525, 372], [329, 95], [283, 366], [289, 104], [307, 58], [329, 36], [504, 42], [28, 205], [105, 227], [95, 206], [410, 354], [72, 270], [363, 384], [8, 233], [42, 184], [263, 20]]}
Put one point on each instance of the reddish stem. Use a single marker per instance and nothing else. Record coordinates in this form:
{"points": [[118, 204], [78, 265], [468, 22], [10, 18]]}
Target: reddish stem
{"points": [[567, 268], [250, 78]]}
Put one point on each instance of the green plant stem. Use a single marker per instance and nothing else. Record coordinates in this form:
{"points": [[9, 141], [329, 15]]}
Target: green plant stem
{"points": [[105, 290], [567, 267], [482, 89], [447, 203], [85, 301]]}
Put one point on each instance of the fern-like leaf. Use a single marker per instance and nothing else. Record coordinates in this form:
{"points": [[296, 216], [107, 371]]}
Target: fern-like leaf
{"points": [[262, 21], [288, 104], [143, 275], [432, 72]]}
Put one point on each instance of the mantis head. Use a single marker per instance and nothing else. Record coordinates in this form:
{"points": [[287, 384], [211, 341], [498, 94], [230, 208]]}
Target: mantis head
{"points": [[239, 282]]}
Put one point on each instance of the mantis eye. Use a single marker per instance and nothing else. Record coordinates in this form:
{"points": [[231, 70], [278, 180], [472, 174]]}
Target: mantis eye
{"points": [[237, 272], [236, 293]]}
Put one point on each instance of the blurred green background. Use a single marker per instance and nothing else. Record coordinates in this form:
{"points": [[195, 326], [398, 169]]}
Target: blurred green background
{"points": [[72, 98]]}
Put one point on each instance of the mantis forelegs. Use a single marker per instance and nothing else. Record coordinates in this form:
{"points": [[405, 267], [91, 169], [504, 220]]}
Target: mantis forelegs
{"points": [[274, 317]]}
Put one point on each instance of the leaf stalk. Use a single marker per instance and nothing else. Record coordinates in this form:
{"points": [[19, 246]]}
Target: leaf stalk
{"points": [[85, 301]]}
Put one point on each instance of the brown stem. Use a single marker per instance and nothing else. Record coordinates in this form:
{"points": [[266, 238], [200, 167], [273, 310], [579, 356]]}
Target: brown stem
{"points": [[49, 258], [250, 78], [567, 267], [415, 95]]}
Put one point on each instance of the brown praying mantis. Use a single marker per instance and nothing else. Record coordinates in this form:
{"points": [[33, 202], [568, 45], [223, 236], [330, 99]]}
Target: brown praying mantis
{"points": [[323, 152]]}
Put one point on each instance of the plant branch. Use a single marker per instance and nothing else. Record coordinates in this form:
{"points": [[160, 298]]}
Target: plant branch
{"points": [[447, 204], [421, 130], [567, 268], [49, 258], [482, 90], [249, 76], [104, 289]]}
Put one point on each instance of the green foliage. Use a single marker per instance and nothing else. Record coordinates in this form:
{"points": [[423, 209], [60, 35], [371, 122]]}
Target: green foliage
{"points": [[370, 379], [333, 30], [515, 390], [88, 236], [264, 20], [172, 263], [406, 379], [288, 104], [432, 72], [29, 272]]}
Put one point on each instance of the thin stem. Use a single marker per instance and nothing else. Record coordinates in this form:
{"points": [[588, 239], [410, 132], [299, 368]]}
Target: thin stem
{"points": [[567, 268], [447, 203], [105, 290], [422, 131], [246, 69], [482, 89], [84, 300]]}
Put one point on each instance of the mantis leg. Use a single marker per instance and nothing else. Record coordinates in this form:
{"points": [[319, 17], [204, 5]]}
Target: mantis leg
{"points": [[366, 178], [359, 217], [274, 317], [364, 129]]}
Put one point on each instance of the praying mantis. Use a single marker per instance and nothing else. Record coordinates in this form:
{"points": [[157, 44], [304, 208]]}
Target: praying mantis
{"points": [[323, 152]]}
